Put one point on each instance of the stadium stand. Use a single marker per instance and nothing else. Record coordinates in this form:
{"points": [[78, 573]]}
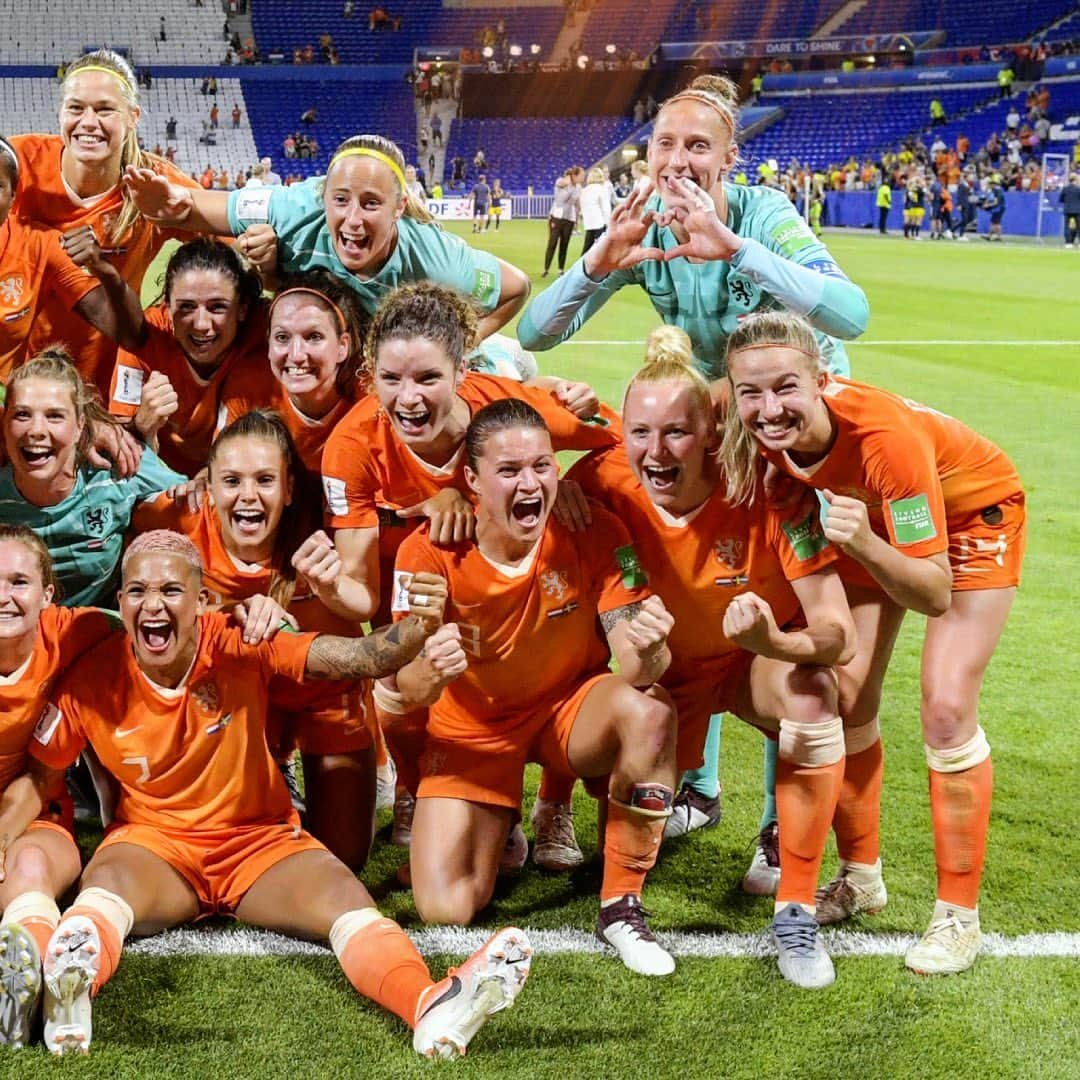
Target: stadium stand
{"points": [[52, 33], [729, 20], [625, 24]]}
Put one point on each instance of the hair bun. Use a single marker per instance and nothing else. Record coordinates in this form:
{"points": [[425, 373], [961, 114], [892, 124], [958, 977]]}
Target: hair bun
{"points": [[719, 86], [669, 344]]}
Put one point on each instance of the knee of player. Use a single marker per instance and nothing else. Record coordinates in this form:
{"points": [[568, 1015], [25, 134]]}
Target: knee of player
{"points": [[31, 868], [948, 719], [859, 700], [649, 722], [448, 907], [811, 693]]}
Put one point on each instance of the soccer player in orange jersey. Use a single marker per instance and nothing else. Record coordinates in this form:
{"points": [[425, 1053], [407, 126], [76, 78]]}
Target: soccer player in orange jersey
{"points": [[314, 351], [203, 820], [930, 516], [38, 640], [386, 469], [522, 675], [760, 615], [209, 327], [260, 534]]}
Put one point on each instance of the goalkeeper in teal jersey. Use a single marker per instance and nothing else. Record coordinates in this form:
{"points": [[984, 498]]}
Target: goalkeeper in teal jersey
{"points": [[359, 221], [707, 253], [81, 512]]}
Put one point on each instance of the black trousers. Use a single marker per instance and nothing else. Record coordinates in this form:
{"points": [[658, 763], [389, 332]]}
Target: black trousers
{"points": [[559, 232]]}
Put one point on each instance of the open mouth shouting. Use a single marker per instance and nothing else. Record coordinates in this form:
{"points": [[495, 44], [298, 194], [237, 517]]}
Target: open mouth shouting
{"points": [[412, 423], [248, 522], [353, 246], [661, 479], [156, 635], [36, 457], [528, 512]]}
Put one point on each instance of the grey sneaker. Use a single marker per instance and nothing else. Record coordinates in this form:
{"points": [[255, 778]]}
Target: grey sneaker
{"points": [[692, 811], [802, 957]]}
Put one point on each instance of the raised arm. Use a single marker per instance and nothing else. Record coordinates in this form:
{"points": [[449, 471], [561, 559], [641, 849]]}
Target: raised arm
{"points": [[165, 203]]}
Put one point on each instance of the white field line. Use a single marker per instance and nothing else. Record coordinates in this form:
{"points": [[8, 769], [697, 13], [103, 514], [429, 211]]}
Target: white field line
{"points": [[454, 941], [1045, 343]]}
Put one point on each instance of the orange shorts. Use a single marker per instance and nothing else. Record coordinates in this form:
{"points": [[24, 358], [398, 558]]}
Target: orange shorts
{"points": [[48, 824], [220, 865], [699, 699], [58, 812], [489, 768], [986, 549], [320, 717]]}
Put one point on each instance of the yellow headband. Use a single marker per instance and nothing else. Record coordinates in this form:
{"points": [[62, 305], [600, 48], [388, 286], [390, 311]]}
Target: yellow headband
{"points": [[343, 326], [98, 67], [363, 151]]}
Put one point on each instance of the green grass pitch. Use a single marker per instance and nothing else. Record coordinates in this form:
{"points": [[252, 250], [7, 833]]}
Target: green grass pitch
{"points": [[584, 1015]]}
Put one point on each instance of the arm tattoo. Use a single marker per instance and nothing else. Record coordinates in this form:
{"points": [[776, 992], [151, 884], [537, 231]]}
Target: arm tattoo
{"points": [[379, 654], [608, 619]]}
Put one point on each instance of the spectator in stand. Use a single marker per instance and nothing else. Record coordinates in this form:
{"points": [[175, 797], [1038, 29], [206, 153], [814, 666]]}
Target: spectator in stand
{"points": [[170, 129], [479, 160], [347, 10], [937, 112], [884, 204], [1012, 119], [436, 130], [288, 147], [258, 177], [457, 173], [413, 185], [309, 116], [595, 206], [215, 116], [236, 114], [1005, 78], [963, 145], [206, 181], [270, 177], [222, 180], [1070, 206]]}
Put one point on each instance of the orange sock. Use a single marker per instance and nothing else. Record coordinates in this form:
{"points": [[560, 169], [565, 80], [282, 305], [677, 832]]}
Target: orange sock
{"points": [[631, 844], [40, 930], [111, 943], [809, 771], [555, 787], [960, 808], [382, 963], [858, 810]]}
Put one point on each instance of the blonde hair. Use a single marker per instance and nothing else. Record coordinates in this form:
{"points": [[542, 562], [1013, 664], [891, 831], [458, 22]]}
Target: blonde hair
{"points": [[130, 151], [669, 358], [639, 169], [716, 91], [739, 450], [413, 207], [596, 175], [55, 365]]}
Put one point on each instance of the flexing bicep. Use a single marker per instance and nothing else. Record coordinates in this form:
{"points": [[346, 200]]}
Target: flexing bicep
{"points": [[828, 617]]}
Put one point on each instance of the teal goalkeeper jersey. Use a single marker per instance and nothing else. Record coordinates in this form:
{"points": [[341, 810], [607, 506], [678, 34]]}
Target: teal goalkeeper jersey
{"points": [[781, 264], [85, 532], [423, 251]]}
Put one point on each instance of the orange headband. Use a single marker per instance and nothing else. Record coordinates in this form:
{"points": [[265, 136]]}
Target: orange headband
{"points": [[708, 99], [342, 323]]}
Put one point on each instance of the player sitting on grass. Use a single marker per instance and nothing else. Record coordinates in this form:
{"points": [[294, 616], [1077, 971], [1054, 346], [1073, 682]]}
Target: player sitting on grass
{"points": [[203, 821]]}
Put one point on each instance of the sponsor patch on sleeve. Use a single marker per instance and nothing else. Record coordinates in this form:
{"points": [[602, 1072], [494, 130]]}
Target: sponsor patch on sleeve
{"points": [[806, 536], [253, 206], [792, 236], [912, 520], [633, 575], [47, 724], [402, 581], [129, 381], [484, 286], [336, 501]]}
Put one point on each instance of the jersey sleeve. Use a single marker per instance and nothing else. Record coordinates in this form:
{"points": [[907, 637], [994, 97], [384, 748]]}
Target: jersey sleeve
{"points": [[66, 281], [781, 254], [60, 735], [349, 485], [618, 571], [125, 387], [799, 540], [449, 260], [568, 431], [160, 511], [415, 556], [278, 206], [564, 307], [153, 476]]}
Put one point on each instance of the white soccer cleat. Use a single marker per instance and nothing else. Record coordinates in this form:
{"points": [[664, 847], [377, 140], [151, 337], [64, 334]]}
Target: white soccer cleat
{"points": [[404, 808], [800, 952], [763, 877], [691, 811], [451, 1012], [947, 948], [385, 784], [71, 965], [516, 852], [20, 984], [854, 891], [622, 925], [556, 847]]}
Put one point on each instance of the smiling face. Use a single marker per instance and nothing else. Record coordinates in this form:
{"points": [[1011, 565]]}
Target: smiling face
{"points": [[251, 486], [161, 600], [206, 315], [7, 187], [363, 202], [692, 141], [778, 394], [95, 118], [306, 350], [515, 482], [668, 437], [41, 434], [23, 594], [416, 384]]}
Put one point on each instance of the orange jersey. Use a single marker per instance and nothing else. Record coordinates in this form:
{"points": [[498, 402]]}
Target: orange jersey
{"points": [[251, 389], [531, 632], [43, 197], [34, 269], [186, 436], [63, 635], [225, 581], [699, 563], [366, 466], [915, 468], [190, 758]]}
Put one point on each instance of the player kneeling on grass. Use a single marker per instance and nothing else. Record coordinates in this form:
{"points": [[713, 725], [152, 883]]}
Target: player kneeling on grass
{"points": [[760, 615], [203, 821], [521, 674]]}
